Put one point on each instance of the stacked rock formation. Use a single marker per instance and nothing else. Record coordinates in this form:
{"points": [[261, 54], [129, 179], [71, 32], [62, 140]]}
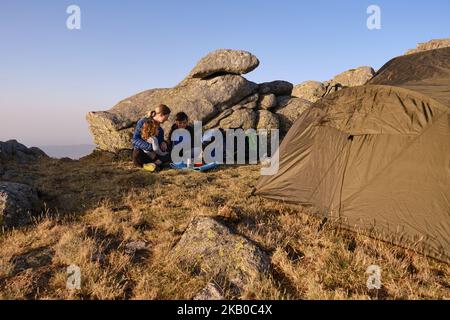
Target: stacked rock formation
{"points": [[214, 92]]}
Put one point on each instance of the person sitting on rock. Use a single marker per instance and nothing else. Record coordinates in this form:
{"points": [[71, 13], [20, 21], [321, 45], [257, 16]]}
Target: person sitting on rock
{"points": [[144, 152]]}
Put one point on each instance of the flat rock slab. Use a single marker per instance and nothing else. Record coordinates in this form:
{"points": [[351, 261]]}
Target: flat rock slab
{"points": [[225, 61]]}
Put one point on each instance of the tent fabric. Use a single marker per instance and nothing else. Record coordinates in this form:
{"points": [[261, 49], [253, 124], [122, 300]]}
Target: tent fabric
{"points": [[426, 72], [376, 158]]}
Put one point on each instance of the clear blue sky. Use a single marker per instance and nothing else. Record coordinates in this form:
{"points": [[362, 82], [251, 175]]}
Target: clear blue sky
{"points": [[51, 76]]}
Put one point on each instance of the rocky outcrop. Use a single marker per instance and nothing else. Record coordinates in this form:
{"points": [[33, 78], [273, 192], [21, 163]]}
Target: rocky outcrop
{"points": [[18, 204], [200, 99], [214, 92], [430, 45], [314, 90], [14, 151], [213, 249]]}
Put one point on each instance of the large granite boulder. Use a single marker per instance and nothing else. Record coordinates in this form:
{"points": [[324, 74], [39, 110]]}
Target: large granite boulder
{"points": [[14, 151], [267, 101], [277, 87], [310, 90], [430, 45], [267, 120], [354, 77], [18, 204], [213, 249], [224, 61], [289, 109], [242, 118]]}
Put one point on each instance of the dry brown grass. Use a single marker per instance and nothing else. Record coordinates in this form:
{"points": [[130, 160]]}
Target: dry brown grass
{"points": [[96, 206]]}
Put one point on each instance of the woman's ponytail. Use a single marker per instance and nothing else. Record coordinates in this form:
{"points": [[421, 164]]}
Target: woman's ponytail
{"points": [[150, 114], [161, 109]]}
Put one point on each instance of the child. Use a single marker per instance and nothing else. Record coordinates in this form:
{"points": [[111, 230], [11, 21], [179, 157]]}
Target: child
{"points": [[149, 133], [181, 122]]}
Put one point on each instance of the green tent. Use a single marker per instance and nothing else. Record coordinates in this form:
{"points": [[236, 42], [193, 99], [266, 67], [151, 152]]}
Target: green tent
{"points": [[376, 158]]}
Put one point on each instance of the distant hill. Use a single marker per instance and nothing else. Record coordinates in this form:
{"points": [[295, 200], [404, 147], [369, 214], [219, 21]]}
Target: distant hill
{"points": [[72, 151]]}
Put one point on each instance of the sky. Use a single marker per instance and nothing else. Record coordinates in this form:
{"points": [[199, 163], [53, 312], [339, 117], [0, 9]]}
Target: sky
{"points": [[50, 76]]}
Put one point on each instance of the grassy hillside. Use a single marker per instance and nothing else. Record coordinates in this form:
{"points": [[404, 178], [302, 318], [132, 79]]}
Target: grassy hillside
{"points": [[97, 205]]}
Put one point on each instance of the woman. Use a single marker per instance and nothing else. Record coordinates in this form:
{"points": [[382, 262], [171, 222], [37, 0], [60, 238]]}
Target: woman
{"points": [[143, 151]]}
